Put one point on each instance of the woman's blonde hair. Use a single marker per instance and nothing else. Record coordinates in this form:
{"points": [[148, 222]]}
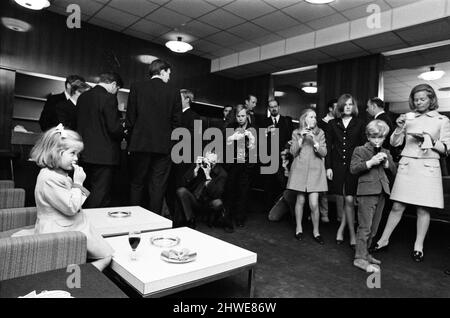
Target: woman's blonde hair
{"points": [[48, 149], [302, 120], [430, 93]]}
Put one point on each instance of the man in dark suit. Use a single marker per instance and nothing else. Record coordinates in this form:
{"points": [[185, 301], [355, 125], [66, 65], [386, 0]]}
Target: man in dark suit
{"points": [[273, 183], [188, 118], [66, 111], [204, 187], [154, 110], [250, 104], [48, 118], [375, 108], [99, 125]]}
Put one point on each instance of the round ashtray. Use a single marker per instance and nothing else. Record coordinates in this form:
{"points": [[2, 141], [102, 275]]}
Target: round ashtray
{"points": [[119, 214], [165, 241]]}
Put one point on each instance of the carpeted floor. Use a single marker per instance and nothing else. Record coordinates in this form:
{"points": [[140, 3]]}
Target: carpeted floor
{"points": [[288, 268]]}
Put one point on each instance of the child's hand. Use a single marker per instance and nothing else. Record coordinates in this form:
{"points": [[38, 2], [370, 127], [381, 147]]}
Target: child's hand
{"points": [[78, 174], [375, 160]]}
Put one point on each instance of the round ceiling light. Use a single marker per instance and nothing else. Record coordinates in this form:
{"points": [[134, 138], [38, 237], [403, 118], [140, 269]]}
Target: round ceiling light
{"points": [[179, 46], [431, 75], [146, 59], [34, 4], [319, 1], [310, 88], [16, 25]]}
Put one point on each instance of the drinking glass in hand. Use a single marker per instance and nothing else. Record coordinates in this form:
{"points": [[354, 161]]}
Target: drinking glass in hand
{"points": [[134, 238]]}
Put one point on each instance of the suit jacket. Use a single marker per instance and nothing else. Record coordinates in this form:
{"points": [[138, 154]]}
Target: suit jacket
{"points": [[374, 180], [386, 118], [214, 189], [66, 114], [153, 111], [188, 118], [285, 129], [99, 125], [48, 118]]}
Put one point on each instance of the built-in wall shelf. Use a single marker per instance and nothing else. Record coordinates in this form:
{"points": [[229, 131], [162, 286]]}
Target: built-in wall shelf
{"points": [[40, 99]]}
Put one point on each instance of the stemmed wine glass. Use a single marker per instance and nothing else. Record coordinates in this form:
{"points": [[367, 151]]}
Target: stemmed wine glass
{"points": [[134, 238]]}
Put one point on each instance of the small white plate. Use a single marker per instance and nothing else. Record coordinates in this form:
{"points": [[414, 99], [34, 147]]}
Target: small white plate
{"points": [[119, 214], [165, 241], [179, 261]]}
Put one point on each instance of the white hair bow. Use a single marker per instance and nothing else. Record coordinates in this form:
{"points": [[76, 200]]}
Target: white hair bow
{"points": [[60, 129]]}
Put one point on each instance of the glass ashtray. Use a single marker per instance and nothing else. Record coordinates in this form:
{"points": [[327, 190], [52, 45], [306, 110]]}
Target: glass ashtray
{"points": [[165, 241], [119, 214]]}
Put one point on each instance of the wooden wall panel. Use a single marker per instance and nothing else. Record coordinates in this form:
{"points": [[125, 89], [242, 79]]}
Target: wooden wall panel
{"points": [[7, 80]]}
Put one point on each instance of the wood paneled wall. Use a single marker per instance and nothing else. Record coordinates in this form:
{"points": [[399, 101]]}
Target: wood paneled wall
{"points": [[7, 83], [358, 77]]}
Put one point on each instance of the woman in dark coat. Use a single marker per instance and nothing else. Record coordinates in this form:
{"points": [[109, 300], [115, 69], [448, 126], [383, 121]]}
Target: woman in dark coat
{"points": [[344, 134]]}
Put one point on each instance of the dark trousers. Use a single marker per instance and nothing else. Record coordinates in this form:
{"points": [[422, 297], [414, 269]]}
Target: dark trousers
{"points": [[284, 205], [238, 189], [370, 209], [99, 183], [152, 169], [273, 187], [189, 205], [176, 180]]}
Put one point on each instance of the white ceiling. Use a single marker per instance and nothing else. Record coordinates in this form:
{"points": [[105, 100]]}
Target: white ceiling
{"points": [[398, 83], [218, 28]]}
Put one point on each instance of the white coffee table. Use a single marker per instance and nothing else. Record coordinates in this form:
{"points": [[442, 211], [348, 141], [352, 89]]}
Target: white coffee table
{"points": [[140, 219], [151, 276]]}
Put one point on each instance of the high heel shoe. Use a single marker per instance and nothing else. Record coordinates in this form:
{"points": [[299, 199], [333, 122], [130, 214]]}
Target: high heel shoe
{"points": [[377, 248], [417, 256], [319, 239], [299, 236], [339, 242]]}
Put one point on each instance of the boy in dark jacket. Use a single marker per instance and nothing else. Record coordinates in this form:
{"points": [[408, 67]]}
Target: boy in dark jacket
{"points": [[370, 163]]}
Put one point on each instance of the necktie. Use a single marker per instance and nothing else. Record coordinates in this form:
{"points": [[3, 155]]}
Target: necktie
{"points": [[274, 121]]}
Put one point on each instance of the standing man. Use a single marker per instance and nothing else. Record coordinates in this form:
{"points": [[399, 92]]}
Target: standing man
{"points": [[250, 104], [274, 183], [98, 121], [154, 110], [227, 114], [375, 108], [48, 118], [323, 196]]}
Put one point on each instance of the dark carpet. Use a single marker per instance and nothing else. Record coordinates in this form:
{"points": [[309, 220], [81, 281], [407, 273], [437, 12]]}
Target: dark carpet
{"points": [[288, 268]]}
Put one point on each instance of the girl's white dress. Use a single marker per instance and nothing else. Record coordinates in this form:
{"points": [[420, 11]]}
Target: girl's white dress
{"points": [[58, 204]]}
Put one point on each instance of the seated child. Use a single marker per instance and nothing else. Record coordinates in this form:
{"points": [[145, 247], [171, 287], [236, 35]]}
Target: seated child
{"points": [[58, 197], [369, 162]]}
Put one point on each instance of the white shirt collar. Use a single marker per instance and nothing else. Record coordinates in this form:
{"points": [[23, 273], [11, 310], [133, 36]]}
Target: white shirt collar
{"points": [[379, 114], [185, 109], [67, 95], [277, 117], [73, 101]]}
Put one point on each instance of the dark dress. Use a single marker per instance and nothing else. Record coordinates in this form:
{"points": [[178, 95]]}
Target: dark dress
{"points": [[341, 142]]}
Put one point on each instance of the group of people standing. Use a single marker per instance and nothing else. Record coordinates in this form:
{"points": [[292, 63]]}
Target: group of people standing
{"points": [[341, 155]]}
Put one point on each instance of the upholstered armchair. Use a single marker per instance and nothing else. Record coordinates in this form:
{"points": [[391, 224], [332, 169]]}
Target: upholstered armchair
{"points": [[26, 255], [6, 184], [12, 198]]}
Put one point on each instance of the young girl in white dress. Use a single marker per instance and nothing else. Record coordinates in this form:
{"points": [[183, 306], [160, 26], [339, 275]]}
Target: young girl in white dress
{"points": [[58, 197]]}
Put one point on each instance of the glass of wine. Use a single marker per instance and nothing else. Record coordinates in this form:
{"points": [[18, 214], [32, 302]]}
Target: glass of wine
{"points": [[134, 238], [377, 148]]}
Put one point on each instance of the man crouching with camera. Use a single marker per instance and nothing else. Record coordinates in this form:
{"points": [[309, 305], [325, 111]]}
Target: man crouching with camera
{"points": [[204, 186]]}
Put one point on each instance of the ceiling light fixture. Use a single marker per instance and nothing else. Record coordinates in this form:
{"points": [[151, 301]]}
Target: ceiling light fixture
{"points": [[34, 4], [279, 93], [146, 59], [295, 70], [179, 46], [310, 89], [431, 75], [319, 1], [16, 25]]}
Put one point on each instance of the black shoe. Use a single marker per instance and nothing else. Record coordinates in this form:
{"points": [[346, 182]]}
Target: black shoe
{"points": [[299, 236], [319, 239], [417, 256], [229, 228], [447, 271], [353, 246], [339, 242], [376, 248], [240, 223]]}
